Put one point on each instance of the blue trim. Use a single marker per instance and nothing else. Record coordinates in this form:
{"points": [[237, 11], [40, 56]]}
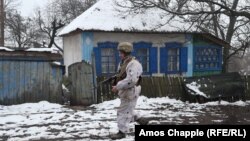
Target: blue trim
{"points": [[1, 80], [190, 56], [220, 58], [163, 60], [217, 63], [107, 44], [184, 59], [148, 46], [153, 60], [205, 70], [173, 45], [142, 44], [87, 46], [164, 57], [98, 56], [179, 57]]}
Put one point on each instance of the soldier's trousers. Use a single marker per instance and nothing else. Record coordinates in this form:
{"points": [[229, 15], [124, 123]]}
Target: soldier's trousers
{"points": [[125, 112]]}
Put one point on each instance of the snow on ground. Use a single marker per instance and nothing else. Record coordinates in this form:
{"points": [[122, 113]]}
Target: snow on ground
{"points": [[43, 120], [196, 89]]}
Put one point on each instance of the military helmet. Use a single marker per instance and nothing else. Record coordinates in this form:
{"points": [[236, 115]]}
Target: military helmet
{"points": [[125, 47]]}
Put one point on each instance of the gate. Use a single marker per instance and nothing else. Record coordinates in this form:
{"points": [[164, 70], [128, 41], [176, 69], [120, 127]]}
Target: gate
{"points": [[82, 81]]}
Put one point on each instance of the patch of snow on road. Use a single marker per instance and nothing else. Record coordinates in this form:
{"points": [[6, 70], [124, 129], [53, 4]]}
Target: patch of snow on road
{"points": [[195, 87], [44, 120]]}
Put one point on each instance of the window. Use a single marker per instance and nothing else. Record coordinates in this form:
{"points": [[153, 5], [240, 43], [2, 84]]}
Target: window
{"points": [[142, 54], [108, 60], [173, 60], [207, 58], [147, 55]]}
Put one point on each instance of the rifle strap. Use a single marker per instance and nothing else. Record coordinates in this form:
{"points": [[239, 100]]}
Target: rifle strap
{"points": [[122, 71]]}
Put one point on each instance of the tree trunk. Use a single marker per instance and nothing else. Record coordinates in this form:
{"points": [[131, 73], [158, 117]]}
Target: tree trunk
{"points": [[230, 33]]}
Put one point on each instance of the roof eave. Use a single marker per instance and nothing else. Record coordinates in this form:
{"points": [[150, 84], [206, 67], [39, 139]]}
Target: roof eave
{"points": [[206, 35], [71, 32]]}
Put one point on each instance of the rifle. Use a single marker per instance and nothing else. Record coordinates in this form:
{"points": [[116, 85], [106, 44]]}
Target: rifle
{"points": [[108, 80]]}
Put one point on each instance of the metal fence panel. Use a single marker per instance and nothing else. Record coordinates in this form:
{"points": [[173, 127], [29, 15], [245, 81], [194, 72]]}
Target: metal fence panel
{"points": [[29, 81]]}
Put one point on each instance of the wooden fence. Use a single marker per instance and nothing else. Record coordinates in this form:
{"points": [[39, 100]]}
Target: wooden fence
{"points": [[152, 87], [82, 81], [104, 91]]}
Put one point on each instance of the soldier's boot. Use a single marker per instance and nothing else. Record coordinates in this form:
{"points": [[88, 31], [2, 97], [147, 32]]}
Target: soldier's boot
{"points": [[118, 135], [140, 120]]}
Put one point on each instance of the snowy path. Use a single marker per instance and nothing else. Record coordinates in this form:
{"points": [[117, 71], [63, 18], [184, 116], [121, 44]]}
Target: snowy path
{"points": [[47, 121]]}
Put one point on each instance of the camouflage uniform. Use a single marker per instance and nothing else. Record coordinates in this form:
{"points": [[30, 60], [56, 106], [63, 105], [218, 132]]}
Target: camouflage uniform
{"points": [[128, 91], [127, 85]]}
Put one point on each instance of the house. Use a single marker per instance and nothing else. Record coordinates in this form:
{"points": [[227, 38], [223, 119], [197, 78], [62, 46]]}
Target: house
{"points": [[163, 49]]}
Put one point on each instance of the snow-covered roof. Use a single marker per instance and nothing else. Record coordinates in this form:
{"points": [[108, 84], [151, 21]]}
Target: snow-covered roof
{"points": [[53, 50], [106, 15], [6, 49]]}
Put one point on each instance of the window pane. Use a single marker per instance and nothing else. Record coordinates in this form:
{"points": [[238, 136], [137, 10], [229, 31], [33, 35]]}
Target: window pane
{"points": [[142, 51], [108, 60], [105, 59], [112, 69], [173, 59], [104, 68], [142, 55], [107, 52], [206, 58]]}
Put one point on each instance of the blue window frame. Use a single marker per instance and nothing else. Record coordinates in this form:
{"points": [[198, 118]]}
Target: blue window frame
{"points": [[147, 55], [207, 58], [142, 54], [106, 58], [174, 58]]}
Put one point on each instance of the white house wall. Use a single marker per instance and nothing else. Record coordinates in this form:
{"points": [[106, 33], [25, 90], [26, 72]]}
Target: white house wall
{"points": [[158, 40], [78, 47], [72, 50]]}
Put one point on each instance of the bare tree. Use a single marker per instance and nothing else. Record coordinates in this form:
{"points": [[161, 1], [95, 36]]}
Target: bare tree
{"points": [[56, 14], [20, 30], [226, 19], [49, 27], [70, 9], [10, 6]]}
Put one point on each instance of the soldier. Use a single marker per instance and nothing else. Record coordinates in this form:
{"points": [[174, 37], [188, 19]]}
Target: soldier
{"points": [[128, 88]]}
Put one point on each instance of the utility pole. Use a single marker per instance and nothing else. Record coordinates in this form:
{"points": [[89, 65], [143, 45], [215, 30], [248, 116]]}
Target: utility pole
{"points": [[2, 19]]}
